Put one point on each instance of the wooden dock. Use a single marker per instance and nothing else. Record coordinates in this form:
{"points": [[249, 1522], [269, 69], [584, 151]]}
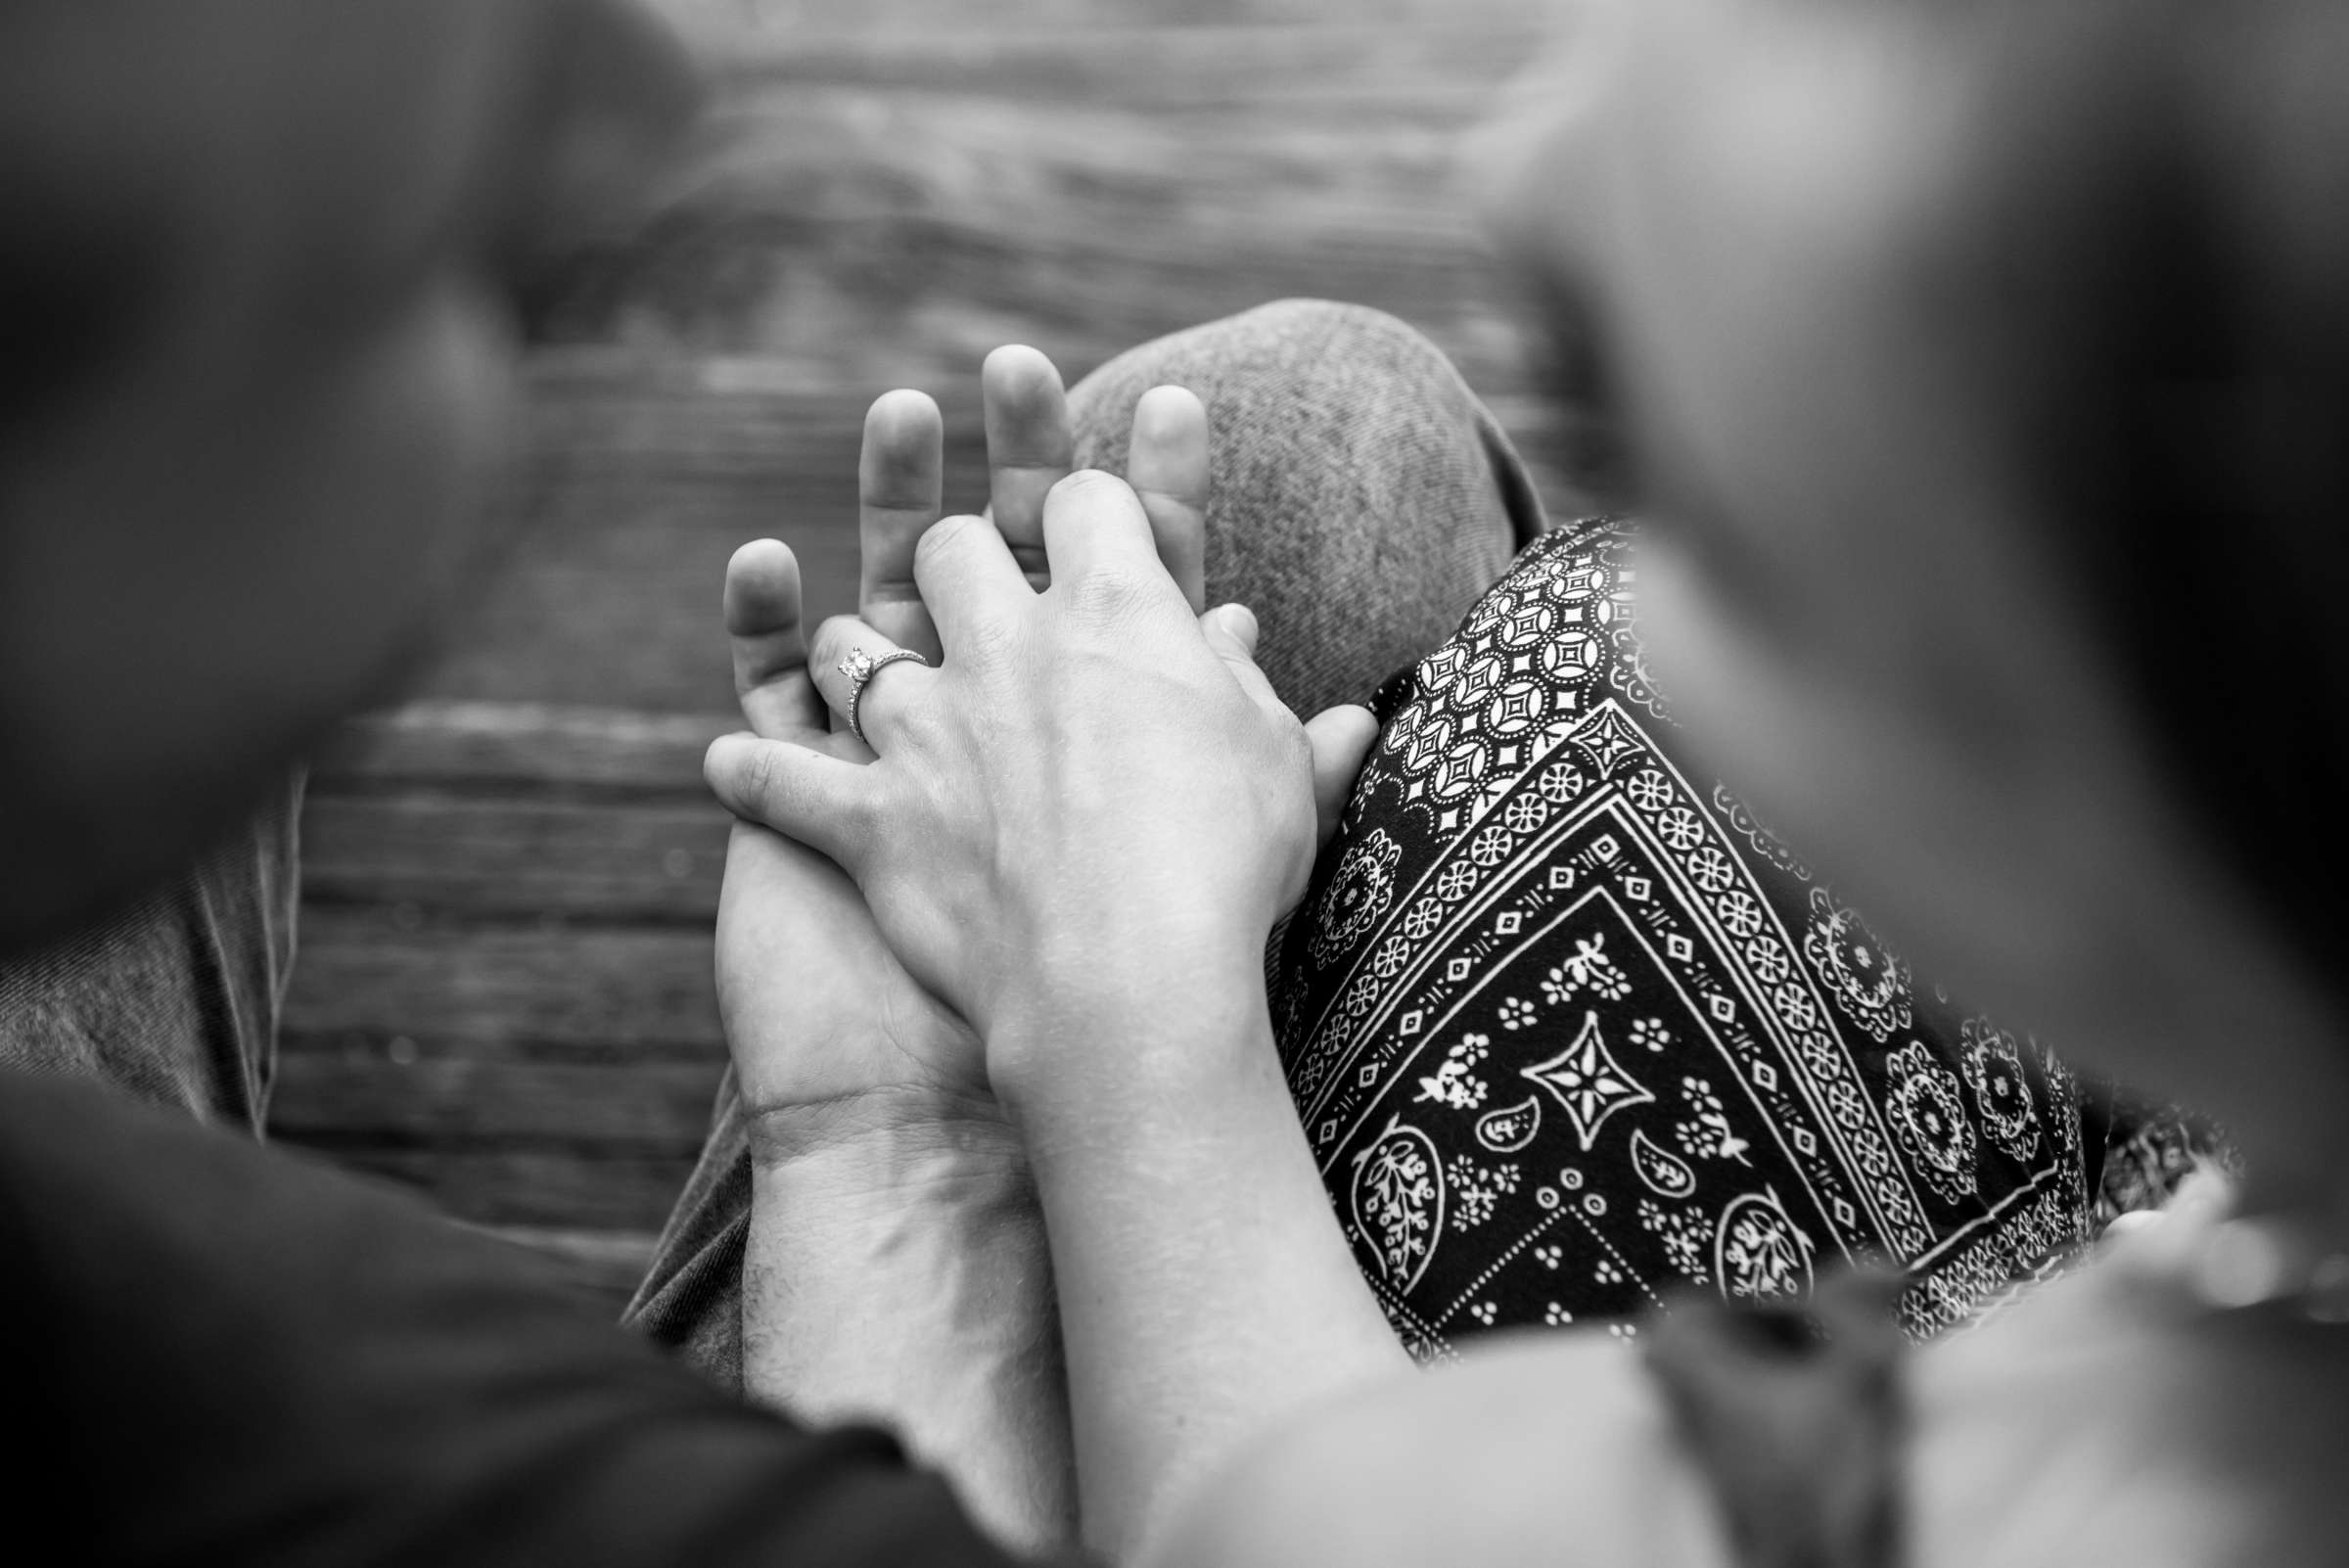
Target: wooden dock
{"points": [[503, 995]]}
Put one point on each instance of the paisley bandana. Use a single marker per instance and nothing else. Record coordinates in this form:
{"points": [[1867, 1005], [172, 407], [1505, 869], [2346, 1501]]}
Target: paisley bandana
{"points": [[1570, 1032]]}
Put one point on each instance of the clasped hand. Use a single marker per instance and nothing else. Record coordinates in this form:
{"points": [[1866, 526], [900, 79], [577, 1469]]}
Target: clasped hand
{"points": [[1092, 807]]}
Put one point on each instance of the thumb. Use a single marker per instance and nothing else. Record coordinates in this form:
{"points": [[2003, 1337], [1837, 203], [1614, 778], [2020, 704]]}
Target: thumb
{"points": [[801, 793], [1230, 630], [1342, 738]]}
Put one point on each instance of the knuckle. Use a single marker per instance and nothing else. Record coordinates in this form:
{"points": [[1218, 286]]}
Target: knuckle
{"points": [[764, 781], [1291, 747], [987, 641], [832, 639], [1127, 613], [1107, 594], [734, 773], [946, 538], [913, 728], [1299, 744]]}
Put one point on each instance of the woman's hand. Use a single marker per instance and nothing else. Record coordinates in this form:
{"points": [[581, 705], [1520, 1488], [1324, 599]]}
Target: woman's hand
{"points": [[831, 1038]]}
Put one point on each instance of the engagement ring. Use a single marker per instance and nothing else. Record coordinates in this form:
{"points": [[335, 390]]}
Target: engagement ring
{"points": [[861, 668]]}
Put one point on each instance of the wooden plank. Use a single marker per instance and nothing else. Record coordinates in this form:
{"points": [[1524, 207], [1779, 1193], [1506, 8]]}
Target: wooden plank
{"points": [[880, 207], [733, 21], [891, 230], [1222, 149], [622, 608], [534, 746], [364, 978], [1155, 71], [651, 476], [462, 1103], [885, 236], [607, 861]]}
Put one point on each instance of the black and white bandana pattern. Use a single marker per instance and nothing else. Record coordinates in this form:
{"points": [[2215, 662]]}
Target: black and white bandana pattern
{"points": [[1569, 1031]]}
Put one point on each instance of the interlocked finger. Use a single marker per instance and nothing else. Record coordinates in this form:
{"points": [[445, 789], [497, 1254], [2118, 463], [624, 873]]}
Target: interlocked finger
{"points": [[769, 641], [1166, 464], [1230, 630], [968, 577], [900, 485], [1030, 448], [867, 680], [1093, 522]]}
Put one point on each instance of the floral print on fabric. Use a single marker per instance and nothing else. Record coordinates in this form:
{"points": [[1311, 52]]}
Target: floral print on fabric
{"points": [[1356, 895], [1569, 1031]]}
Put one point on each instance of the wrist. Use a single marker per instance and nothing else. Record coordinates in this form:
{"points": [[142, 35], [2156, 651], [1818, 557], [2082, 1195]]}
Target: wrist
{"points": [[1145, 947], [894, 1137], [1072, 1062], [895, 1271]]}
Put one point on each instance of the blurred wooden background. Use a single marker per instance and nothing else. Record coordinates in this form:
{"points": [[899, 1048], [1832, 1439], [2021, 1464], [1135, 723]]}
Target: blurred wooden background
{"points": [[504, 996]]}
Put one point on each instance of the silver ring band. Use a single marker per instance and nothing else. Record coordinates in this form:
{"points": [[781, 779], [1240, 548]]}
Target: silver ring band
{"points": [[861, 668]]}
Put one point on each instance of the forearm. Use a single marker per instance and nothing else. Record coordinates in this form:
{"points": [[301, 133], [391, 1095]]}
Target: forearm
{"points": [[1205, 1287], [895, 1273]]}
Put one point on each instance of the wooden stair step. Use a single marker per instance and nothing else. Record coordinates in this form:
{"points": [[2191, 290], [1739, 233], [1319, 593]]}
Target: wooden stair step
{"points": [[493, 988], [607, 861], [658, 1107]]}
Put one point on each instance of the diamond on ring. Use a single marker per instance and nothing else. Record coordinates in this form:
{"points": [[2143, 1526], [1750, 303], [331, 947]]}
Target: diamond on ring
{"points": [[861, 668]]}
